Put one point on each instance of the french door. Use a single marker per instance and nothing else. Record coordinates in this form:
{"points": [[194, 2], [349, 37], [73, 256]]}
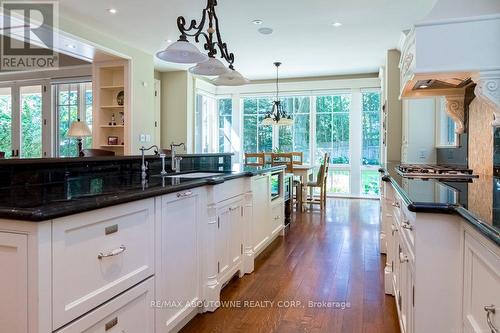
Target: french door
{"points": [[24, 120]]}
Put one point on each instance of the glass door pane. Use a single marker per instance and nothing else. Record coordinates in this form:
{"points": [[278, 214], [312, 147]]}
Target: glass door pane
{"points": [[67, 112], [31, 121], [6, 121]]}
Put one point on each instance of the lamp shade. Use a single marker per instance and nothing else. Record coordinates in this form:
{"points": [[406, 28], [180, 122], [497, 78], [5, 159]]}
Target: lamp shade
{"points": [[79, 129], [182, 52], [231, 78], [211, 67], [285, 122]]}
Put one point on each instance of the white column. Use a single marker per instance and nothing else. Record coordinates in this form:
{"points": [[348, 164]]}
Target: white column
{"points": [[355, 129]]}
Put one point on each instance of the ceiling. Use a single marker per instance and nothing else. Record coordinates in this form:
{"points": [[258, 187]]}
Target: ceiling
{"points": [[303, 39]]}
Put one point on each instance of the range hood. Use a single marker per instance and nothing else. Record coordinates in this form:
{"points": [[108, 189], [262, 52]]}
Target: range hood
{"points": [[455, 46]]}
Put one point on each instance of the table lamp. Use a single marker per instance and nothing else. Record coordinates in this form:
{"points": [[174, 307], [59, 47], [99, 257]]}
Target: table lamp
{"points": [[79, 129]]}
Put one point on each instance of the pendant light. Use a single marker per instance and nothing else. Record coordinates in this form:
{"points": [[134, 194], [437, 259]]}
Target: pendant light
{"points": [[182, 52], [277, 116], [231, 78], [211, 67]]}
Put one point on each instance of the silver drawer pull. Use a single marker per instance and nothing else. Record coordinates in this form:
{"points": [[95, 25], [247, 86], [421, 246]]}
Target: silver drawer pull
{"points": [[233, 208], [396, 204], [394, 229], [112, 253], [490, 311], [110, 324], [407, 225], [277, 217], [185, 194], [403, 258]]}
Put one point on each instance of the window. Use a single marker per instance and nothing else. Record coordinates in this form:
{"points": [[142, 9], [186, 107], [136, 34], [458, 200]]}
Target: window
{"points": [[332, 127], [31, 121], [371, 128], [256, 137], [296, 137], [73, 101], [6, 121], [213, 124], [225, 108]]}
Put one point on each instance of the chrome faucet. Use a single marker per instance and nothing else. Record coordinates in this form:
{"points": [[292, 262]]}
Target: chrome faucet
{"points": [[176, 160], [144, 165]]}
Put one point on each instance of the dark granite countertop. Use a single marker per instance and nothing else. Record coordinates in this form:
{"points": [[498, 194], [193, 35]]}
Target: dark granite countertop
{"points": [[48, 200], [477, 200]]}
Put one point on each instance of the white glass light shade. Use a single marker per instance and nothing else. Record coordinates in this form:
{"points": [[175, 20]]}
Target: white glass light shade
{"points": [[79, 129], [231, 78], [211, 67], [182, 52], [285, 122], [268, 121]]}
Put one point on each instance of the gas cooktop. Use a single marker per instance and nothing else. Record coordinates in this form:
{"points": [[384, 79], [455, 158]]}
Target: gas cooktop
{"points": [[434, 171]]}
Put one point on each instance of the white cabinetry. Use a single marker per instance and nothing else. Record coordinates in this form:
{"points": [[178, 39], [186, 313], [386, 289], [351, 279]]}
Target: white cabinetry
{"points": [[14, 282], [178, 233], [277, 217], [424, 267], [261, 212], [481, 284], [418, 142], [129, 312], [229, 238], [99, 254]]}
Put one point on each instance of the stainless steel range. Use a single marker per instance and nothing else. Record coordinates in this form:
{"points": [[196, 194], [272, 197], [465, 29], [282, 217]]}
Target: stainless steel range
{"points": [[434, 171]]}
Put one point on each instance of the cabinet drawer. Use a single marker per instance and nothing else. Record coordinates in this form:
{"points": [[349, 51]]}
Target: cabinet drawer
{"points": [[129, 312], [99, 254], [481, 284], [277, 218]]}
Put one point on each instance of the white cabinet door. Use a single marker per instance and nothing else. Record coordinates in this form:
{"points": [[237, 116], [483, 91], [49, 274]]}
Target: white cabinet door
{"points": [[229, 238], [481, 284], [13, 283], [178, 275], [261, 212], [277, 217]]}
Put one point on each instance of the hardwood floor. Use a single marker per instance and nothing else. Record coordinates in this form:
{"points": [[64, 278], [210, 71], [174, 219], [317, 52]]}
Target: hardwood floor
{"points": [[332, 257]]}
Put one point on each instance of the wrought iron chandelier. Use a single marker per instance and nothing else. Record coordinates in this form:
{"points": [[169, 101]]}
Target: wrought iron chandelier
{"points": [[277, 116], [184, 52]]}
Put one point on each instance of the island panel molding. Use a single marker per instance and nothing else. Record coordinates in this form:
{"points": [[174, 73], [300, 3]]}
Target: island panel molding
{"points": [[488, 91]]}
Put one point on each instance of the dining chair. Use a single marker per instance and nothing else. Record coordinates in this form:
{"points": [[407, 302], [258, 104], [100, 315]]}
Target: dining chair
{"points": [[97, 152], [254, 159], [298, 157], [283, 159], [320, 182]]}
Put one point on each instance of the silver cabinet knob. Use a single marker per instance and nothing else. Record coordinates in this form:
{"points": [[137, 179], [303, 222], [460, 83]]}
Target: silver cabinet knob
{"points": [[396, 204], [407, 225], [403, 258], [490, 312]]}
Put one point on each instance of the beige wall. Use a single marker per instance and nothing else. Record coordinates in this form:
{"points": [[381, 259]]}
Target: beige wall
{"points": [[177, 109], [480, 137], [142, 77], [393, 106]]}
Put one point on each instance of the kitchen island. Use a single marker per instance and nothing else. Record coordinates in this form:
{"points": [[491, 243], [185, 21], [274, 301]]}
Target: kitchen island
{"points": [[91, 245], [441, 240]]}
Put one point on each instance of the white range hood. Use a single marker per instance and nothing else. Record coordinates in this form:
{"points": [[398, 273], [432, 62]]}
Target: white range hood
{"points": [[456, 45]]}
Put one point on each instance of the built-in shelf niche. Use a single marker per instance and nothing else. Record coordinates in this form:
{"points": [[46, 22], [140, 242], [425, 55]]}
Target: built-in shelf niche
{"points": [[111, 78]]}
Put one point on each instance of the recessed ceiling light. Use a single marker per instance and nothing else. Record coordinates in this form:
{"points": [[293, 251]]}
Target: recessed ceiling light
{"points": [[337, 24], [71, 46], [258, 22], [112, 10], [266, 31], [424, 86], [169, 41]]}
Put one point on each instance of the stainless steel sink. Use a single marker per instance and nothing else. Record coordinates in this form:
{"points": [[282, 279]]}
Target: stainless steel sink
{"points": [[195, 175]]}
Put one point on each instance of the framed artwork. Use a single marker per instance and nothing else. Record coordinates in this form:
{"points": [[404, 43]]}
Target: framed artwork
{"points": [[112, 140]]}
